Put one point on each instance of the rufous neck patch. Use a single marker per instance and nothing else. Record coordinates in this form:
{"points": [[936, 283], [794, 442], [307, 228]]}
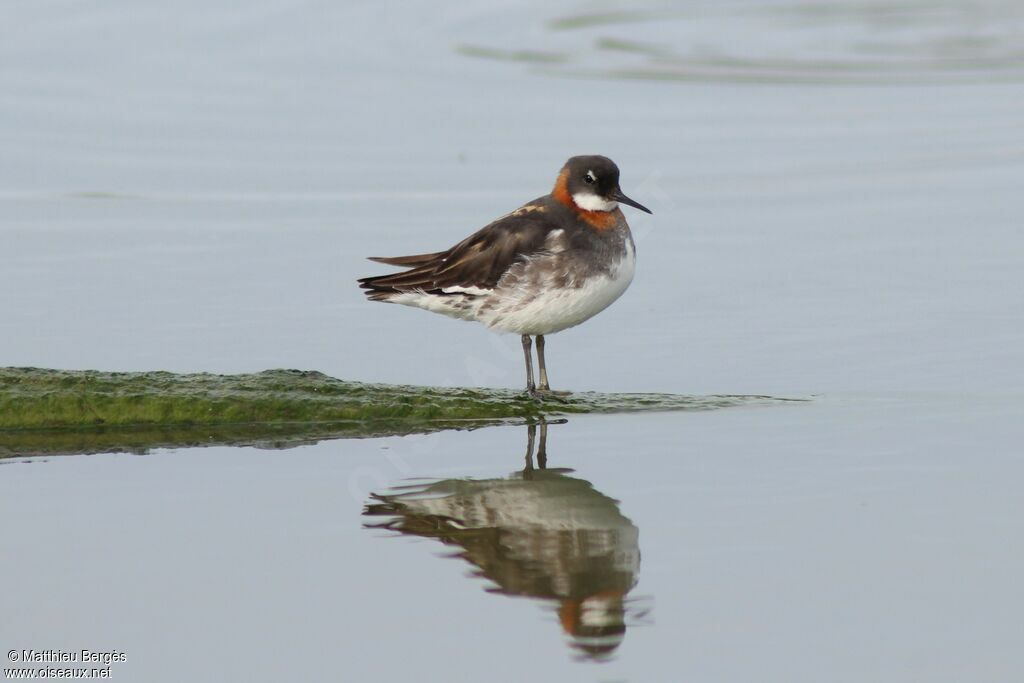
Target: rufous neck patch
{"points": [[601, 220], [561, 191]]}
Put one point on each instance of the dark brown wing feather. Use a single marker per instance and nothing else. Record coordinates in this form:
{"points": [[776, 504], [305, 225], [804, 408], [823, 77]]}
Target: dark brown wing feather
{"points": [[416, 260], [478, 261]]}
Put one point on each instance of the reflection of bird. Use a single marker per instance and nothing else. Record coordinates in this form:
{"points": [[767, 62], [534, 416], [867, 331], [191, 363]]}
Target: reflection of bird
{"points": [[547, 266], [538, 533]]}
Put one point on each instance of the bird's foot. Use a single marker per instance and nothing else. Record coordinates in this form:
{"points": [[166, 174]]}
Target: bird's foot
{"points": [[541, 394]]}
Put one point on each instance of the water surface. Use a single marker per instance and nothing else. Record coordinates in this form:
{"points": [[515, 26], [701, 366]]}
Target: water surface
{"points": [[836, 189]]}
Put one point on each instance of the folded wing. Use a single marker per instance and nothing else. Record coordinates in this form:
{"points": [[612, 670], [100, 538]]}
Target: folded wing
{"points": [[471, 267]]}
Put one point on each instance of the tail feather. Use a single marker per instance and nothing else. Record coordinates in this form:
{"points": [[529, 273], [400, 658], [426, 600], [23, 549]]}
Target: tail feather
{"points": [[375, 291], [382, 287], [417, 276]]}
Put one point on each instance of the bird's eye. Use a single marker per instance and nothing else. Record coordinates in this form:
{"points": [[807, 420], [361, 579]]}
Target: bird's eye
{"points": [[589, 179]]}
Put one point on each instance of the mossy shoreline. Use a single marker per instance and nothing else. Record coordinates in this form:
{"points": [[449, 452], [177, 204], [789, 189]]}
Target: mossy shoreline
{"points": [[44, 410]]}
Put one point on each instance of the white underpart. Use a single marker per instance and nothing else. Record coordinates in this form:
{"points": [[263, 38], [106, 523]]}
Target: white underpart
{"points": [[455, 306], [549, 309], [589, 201], [474, 291]]}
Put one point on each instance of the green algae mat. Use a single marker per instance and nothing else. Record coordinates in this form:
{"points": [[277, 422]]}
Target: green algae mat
{"points": [[70, 411]]}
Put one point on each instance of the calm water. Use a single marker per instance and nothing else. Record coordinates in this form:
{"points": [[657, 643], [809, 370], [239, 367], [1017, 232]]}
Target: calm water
{"points": [[837, 202]]}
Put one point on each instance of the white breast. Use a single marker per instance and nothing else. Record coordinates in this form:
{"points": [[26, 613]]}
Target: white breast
{"points": [[546, 308]]}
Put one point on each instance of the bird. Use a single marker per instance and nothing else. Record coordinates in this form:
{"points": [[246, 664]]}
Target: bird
{"points": [[551, 264]]}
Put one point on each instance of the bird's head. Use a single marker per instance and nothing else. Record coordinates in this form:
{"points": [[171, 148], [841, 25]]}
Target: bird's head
{"points": [[591, 183]]}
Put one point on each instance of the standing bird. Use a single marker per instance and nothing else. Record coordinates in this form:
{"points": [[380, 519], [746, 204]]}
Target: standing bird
{"points": [[547, 266]]}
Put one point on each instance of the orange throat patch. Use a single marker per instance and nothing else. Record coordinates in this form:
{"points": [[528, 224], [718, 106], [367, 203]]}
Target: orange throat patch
{"points": [[598, 220]]}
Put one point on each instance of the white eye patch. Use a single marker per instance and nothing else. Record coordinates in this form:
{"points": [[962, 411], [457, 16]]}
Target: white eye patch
{"points": [[591, 177]]}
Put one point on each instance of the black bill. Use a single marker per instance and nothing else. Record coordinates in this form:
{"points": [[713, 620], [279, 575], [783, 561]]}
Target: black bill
{"points": [[623, 199]]}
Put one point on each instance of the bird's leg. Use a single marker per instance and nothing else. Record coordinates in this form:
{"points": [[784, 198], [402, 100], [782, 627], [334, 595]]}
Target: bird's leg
{"points": [[544, 388], [530, 435], [531, 389], [543, 366], [542, 447]]}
